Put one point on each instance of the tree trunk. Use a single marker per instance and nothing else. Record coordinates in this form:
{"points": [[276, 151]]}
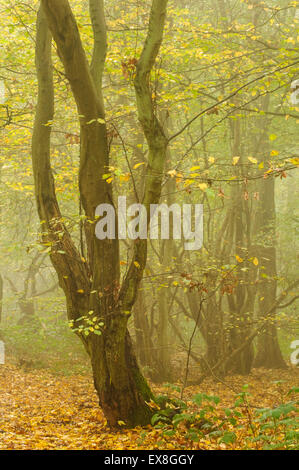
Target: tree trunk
{"points": [[1, 297], [144, 336], [122, 389], [240, 297], [268, 350], [92, 285], [212, 330]]}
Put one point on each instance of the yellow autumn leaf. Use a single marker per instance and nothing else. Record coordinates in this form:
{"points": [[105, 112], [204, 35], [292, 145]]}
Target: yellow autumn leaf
{"points": [[194, 168], [255, 261], [124, 178], [252, 160], [179, 177], [240, 260], [138, 165], [235, 160], [294, 161]]}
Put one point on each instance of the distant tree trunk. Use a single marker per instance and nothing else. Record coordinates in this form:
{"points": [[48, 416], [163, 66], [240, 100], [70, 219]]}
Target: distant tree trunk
{"points": [[163, 339], [163, 352], [268, 350], [92, 285], [142, 331], [240, 296], [166, 249], [212, 331], [1, 297], [1, 278]]}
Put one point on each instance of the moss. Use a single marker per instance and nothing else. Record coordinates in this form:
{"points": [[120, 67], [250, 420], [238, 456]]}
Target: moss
{"points": [[142, 385], [143, 413], [141, 416]]}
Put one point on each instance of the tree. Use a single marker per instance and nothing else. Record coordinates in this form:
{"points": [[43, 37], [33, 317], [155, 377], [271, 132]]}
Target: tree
{"points": [[268, 351], [92, 284]]}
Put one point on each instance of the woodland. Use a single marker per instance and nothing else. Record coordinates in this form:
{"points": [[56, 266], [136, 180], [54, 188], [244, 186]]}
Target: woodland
{"points": [[142, 343]]}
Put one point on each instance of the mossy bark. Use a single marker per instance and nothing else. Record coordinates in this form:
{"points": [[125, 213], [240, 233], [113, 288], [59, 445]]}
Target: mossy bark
{"points": [[123, 391]]}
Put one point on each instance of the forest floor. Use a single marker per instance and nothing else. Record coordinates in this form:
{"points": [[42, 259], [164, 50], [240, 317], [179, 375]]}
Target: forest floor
{"points": [[42, 411]]}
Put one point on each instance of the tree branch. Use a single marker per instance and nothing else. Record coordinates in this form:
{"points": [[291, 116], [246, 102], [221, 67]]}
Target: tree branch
{"points": [[72, 275], [156, 140], [97, 16]]}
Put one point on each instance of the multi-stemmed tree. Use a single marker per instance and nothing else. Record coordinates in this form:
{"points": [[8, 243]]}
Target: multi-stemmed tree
{"points": [[92, 284]]}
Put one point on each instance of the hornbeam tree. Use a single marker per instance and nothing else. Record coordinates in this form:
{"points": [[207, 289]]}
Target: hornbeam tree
{"points": [[93, 284]]}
